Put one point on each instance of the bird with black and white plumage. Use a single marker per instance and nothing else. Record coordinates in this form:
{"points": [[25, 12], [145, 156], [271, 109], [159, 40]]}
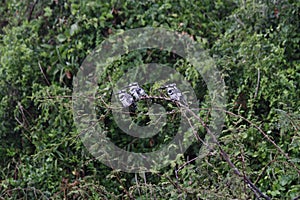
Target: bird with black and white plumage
{"points": [[174, 93], [125, 98], [136, 91]]}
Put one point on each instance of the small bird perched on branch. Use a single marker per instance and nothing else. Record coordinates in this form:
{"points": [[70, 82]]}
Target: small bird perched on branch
{"points": [[125, 98], [174, 93], [136, 91]]}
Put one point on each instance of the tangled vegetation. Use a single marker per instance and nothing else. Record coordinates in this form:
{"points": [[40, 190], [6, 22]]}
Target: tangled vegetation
{"points": [[256, 46]]}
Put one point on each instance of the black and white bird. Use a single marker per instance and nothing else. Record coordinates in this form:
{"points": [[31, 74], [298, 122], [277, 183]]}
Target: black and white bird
{"points": [[175, 94], [125, 98], [136, 91]]}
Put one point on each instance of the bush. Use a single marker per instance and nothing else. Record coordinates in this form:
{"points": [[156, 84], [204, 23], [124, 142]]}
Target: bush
{"points": [[254, 44]]}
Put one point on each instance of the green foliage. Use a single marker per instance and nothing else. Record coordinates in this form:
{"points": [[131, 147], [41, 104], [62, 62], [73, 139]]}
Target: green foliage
{"points": [[255, 45]]}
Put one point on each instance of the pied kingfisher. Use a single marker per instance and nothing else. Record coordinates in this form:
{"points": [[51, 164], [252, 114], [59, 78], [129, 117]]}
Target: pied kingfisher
{"points": [[136, 91], [125, 98], [174, 93]]}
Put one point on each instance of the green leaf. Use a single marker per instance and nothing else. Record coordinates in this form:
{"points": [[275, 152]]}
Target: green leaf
{"points": [[61, 38]]}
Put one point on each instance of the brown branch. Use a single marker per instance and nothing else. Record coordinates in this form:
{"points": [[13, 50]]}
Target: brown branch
{"points": [[182, 166]]}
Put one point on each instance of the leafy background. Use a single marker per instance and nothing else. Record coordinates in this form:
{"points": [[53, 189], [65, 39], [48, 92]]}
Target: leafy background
{"points": [[255, 45]]}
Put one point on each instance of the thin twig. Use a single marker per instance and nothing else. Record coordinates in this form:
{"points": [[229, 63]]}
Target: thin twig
{"points": [[258, 83], [186, 163], [43, 74], [264, 170]]}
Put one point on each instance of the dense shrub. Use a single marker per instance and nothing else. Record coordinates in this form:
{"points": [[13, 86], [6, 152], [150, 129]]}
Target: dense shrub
{"points": [[254, 44]]}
